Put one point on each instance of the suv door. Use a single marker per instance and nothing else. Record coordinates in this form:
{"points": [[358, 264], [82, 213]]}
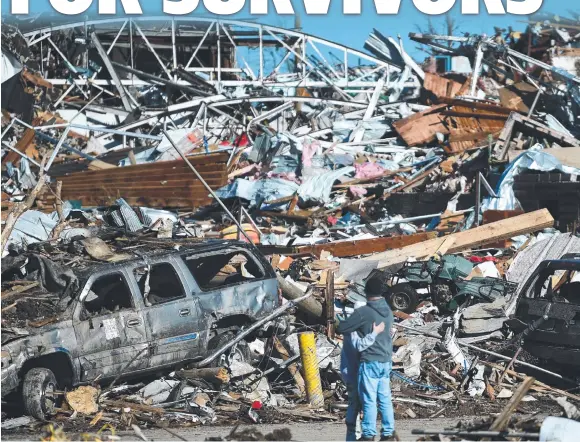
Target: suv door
{"points": [[170, 311], [230, 282], [110, 328]]}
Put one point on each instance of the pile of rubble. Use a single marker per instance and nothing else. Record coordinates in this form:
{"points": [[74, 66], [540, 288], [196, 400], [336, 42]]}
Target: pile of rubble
{"points": [[135, 151]]}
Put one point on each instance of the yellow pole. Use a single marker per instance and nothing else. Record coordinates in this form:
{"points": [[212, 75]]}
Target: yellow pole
{"points": [[307, 343]]}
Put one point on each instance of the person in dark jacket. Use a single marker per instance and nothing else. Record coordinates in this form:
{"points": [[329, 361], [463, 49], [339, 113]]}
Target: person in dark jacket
{"points": [[375, 362]]}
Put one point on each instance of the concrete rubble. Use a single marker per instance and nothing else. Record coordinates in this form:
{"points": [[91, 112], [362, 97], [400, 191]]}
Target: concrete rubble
{"points": [[130, 144]]}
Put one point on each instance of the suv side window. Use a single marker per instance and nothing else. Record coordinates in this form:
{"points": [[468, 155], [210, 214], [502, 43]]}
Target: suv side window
{"points": [[223, 269], [108, 294], [159, 283]]}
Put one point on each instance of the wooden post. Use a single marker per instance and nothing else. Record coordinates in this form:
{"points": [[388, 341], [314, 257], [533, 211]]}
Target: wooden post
{"points": [[329, 304], [477, 198]]}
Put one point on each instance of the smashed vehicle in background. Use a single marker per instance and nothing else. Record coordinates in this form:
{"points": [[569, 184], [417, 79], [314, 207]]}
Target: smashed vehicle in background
{"points": [[547, 317], [441, 280]]}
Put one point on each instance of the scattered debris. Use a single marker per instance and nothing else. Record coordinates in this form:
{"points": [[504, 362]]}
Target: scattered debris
{"points": [[183, 228]]}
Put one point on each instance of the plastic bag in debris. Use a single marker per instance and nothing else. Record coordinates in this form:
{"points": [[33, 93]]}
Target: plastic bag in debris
{"points": [[529, 160], [22, 174], [185, 139], [158, 391], [453, 349], [410, 356]]}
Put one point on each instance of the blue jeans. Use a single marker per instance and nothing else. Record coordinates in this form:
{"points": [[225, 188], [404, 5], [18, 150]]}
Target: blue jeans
{"points": [[352, 412], [374, 387]]}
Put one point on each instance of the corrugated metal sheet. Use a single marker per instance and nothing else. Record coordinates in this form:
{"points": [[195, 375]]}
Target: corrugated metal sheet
{"points": [[129, 216], [161, 184]]}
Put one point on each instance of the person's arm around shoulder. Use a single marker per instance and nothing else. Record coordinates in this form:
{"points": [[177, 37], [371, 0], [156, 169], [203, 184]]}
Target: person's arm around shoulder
{"points": [[350, 324], [361, 344]]}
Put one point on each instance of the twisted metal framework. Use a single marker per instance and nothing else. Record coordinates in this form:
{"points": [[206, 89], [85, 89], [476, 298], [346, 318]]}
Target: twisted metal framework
{"points": [[179, 42]]}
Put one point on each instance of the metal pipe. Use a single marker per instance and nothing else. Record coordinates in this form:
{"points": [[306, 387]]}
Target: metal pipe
{"points": [[200, 178], [278, 312]]}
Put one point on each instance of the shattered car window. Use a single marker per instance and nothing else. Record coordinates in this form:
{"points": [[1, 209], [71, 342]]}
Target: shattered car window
{"points": [[108, 294], [214, 271], [159, 283]]}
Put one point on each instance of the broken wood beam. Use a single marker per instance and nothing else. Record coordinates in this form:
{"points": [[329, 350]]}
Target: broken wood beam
{"points": [[468, 239], [342, 249], [19, 208], [503, 419], [133, 406], [292, 368], [213, 375]]}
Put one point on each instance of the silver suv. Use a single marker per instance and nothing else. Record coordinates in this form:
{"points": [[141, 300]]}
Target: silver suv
{"points": [[142, 315]]}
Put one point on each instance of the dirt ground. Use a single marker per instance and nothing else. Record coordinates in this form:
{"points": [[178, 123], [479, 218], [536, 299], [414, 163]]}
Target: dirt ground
{"points": [[311, 431]]}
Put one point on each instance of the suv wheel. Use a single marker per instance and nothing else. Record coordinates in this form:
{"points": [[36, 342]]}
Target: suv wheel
{"points": [[241, 351], [403, 297], [37, 393]]}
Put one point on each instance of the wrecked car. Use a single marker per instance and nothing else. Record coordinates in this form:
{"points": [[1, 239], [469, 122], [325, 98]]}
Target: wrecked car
{"points": [[442, 281], [143, 315], [547, 315]]}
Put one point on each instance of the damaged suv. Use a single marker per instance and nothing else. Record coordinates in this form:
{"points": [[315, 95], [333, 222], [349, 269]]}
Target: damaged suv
{"points": [[137, 316], [548, 311]]}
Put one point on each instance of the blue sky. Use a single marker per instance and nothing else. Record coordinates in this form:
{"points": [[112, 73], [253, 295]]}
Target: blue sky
{"points": [[353, 30]]}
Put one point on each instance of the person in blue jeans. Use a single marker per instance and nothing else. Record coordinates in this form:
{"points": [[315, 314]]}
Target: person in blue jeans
{"points": [[375, 362], [352, 346]]}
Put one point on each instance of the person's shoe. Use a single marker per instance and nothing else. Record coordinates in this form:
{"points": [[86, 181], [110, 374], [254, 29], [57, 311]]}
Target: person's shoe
{"points": [[393, 436], [362, 438]]}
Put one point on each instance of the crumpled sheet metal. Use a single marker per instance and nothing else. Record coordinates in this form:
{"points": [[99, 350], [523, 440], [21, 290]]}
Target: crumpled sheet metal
{"points": [[34, 226]]}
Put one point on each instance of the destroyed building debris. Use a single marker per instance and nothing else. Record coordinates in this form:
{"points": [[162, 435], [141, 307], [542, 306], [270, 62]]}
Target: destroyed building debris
{"points": [[185, 199]]}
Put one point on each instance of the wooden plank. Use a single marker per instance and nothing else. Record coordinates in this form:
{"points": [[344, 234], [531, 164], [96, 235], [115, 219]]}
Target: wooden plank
{"points": [[341, 249], [22, 145], [441, 87], [472, 238], [422, 127], [500, 423]]}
